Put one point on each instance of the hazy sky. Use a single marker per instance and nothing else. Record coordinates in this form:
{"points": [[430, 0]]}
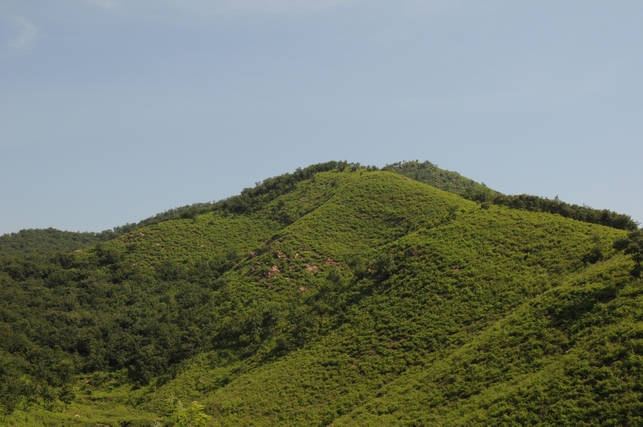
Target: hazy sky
{"points": [[114, 110]]}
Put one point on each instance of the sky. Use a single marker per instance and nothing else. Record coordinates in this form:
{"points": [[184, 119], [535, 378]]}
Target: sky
{"points": [[114, 110]]}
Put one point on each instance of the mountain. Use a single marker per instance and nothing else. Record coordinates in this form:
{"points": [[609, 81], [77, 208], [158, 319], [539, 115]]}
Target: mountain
{"points": [[336, 295]]}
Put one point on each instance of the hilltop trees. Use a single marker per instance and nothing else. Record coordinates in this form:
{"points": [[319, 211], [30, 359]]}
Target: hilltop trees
{"points": [[478, 192], [531, 203]]}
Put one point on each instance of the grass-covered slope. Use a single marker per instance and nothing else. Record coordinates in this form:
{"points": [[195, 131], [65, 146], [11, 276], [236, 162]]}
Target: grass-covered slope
{"points": [[570, 356], [342, 298], [430, 292]]}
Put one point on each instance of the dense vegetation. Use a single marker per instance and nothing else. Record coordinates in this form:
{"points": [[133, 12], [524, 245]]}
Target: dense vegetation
{"points": [[49, 240], [452, 181], [253, 199], [555, 206], [250, 199], [336, 295], [431, 174]]}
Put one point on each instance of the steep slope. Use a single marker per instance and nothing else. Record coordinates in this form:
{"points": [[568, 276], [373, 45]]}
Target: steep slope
{"points": [[433, 291], [570, 356], [353, 298]]}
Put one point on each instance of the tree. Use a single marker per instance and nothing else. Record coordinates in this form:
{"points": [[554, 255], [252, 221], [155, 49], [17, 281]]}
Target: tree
{"points": [[633, 245], [187, 416], [12, 387]]}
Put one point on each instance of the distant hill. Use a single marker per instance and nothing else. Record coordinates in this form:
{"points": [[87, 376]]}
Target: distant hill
{"points": [[336, 295], [48, 240]]}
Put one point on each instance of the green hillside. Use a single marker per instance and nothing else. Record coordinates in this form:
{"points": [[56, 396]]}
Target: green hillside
{"points": [[42, 241], [337, 295], [431, 174], [252, 199]]}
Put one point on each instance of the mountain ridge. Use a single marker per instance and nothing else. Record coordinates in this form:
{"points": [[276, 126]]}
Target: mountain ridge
{"points": [[50, 239]]}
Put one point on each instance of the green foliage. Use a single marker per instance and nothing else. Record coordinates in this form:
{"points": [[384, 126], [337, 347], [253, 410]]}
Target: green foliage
{"points": [[566, 357], [540, 204], [335, 295], [187, 416], [250, 200], [430, 174], [453, 182], [12, 386], [594, 255], [633, 245], [49, 240]]}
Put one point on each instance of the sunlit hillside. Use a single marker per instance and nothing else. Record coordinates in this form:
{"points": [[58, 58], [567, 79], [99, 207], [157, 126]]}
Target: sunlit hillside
{"points": [[337, 295]]}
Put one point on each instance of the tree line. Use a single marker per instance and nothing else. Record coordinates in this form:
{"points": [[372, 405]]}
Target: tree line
{"points": [[531, 203]]}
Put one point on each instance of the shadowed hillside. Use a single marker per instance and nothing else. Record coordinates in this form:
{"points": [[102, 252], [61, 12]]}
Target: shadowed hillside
{"points": [[429, 173], [49, 240]]}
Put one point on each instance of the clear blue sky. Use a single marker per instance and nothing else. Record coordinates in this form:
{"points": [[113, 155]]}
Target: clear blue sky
{"points": [[114, 110]]}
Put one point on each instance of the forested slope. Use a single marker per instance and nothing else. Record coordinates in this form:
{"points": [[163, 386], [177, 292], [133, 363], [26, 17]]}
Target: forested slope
{"points": [[347, 296], [431, 174], [42, 241]]}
